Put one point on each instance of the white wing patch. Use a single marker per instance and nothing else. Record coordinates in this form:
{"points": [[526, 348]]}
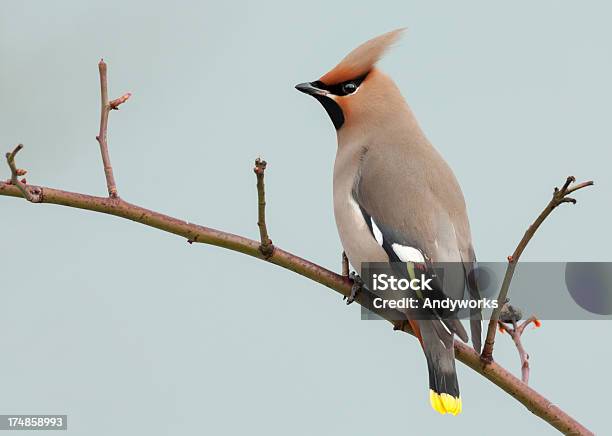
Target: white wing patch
{"points": [[446, 328], [408, 254], [377, 233]]}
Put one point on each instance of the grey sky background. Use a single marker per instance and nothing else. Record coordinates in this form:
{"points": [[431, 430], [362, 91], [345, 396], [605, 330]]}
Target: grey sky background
{"points": [[129, 330]]}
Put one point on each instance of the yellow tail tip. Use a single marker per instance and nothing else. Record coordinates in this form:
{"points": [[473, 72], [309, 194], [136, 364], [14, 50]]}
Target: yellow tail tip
{"points": [[445, 403]]}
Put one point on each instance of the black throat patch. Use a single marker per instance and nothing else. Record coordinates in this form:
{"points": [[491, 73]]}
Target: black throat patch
{"points": [[333, 110]]}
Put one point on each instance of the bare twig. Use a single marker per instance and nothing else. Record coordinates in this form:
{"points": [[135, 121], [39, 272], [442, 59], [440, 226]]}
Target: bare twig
{"points": [[515, 332], [33, 195], [532, 319], [114, 104], [345, 265], [266, 247], [105, 108], [560, 196]]}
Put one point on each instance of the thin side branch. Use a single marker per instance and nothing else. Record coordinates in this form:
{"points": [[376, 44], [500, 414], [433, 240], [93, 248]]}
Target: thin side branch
{"points": [[266, 247], [345, 265], [530, 398], [33, 195], [105, 108], [114, 104], [515, 332], [560, 196]]}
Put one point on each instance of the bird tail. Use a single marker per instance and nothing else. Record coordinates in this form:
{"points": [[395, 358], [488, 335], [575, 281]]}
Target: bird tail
{"points": [[443, 385]]}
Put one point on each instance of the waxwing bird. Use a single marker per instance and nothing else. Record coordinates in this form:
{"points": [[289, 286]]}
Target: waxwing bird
{"points": [[395, 198]]}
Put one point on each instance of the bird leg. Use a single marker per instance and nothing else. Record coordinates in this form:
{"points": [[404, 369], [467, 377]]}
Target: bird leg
{"points": [[358, 284]]}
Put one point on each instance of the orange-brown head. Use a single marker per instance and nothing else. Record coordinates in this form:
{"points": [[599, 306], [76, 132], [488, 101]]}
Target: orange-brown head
{"points": [[355, 88]]}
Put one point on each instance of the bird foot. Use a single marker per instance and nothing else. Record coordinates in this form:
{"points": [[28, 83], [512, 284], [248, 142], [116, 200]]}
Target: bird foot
{"points": [[358, 284]]}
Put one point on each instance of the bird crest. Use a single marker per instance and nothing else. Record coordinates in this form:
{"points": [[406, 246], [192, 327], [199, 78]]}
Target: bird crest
{"points": [[362, 59]]}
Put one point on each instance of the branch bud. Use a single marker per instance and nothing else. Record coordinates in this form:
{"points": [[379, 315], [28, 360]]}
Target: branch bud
{"points": [[114, 104]]}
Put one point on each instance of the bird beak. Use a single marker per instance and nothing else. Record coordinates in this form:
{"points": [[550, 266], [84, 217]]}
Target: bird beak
{"points": [[310, 89]]}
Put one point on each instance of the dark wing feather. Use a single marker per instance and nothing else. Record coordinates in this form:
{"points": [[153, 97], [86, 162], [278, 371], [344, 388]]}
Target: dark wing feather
{"points": [[450, 323], [415, 201]]}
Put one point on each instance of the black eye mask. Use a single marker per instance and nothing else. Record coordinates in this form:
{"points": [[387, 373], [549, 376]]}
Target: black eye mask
{"points": [[343, 88], [323, 93]]}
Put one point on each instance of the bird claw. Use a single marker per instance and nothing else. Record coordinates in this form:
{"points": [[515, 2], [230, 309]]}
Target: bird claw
{"points": [[358, 284]]}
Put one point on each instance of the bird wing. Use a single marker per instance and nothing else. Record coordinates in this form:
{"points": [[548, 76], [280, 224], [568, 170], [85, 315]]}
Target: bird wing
{"points": [[415, 210]]}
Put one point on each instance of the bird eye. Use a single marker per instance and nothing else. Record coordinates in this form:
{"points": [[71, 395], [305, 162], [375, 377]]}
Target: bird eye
{"points": [[349, 88]]}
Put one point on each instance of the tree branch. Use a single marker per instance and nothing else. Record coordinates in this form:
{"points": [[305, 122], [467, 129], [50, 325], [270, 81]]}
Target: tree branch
{"points": [[33, 195], [105, 108], [515, 332], [265, 245], [113, 205], [345, 265], [531, 399], [560, 196]]}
